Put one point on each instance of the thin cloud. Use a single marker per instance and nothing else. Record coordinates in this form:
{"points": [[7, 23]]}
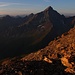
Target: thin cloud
{"points": [[4, 4]]}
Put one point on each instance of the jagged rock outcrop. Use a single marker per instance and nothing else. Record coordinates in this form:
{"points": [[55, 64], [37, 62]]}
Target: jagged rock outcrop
{"points": [[58, 58], [62, 49]]}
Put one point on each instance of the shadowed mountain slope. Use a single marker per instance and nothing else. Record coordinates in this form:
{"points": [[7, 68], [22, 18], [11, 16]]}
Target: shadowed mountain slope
{"points": [[25, 35], [58, 58]]}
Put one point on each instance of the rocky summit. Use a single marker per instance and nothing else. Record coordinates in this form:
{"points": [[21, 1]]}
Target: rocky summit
{"points": [[22, 35], [58, 58]]}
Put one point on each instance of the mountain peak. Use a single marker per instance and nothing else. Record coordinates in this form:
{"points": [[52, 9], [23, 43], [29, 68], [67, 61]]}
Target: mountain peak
{"points": [[48, 8]]}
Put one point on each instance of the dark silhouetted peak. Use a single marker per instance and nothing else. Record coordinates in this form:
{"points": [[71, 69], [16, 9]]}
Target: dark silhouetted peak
{"points": [[7, 16], [49, 8], [31, 15]]}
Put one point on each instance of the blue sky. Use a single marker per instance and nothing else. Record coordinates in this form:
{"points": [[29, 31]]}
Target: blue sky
{"points": [[19, 7]]}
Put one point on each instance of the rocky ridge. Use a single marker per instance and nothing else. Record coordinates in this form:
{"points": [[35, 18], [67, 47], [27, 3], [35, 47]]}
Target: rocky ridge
{"points": [[62, 48], [58, 58]]}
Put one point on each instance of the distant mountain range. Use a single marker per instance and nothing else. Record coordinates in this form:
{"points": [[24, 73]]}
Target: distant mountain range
{"points": [[25, 34]]}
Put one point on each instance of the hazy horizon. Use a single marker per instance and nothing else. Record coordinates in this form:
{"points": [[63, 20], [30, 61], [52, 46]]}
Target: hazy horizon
{"points": [[23, 7]]}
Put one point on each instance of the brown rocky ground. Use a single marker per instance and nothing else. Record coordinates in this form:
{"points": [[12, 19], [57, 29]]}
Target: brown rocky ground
{"points": [[58, 58]]}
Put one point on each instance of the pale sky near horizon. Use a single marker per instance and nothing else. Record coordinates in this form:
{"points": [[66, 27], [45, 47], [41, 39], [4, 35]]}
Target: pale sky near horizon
{"points": [[19, 7]]}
